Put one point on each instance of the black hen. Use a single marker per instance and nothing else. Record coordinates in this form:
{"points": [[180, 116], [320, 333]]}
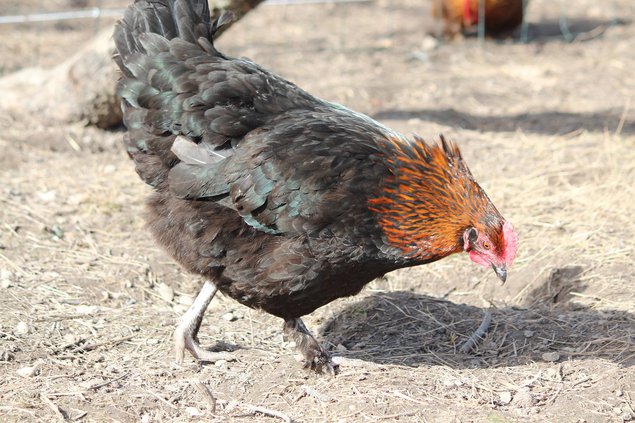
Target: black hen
{"points": [[281, 200]]}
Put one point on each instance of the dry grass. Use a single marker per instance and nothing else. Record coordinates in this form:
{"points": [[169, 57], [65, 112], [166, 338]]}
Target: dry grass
{"points": [[549, 130]]}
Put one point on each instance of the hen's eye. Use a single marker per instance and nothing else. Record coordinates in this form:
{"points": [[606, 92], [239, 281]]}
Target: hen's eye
{"points": [[485, 245]]}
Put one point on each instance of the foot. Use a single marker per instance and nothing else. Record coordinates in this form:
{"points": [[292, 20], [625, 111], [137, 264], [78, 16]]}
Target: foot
{"points": [[316, 357], [184, 340], [185, 334]]}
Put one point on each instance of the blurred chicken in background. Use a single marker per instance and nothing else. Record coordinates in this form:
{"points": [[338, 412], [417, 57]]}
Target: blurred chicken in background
{"points": [[501, 16]]}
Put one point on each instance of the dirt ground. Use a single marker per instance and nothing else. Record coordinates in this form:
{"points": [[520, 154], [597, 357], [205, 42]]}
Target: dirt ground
{"points": [[89, 301]]}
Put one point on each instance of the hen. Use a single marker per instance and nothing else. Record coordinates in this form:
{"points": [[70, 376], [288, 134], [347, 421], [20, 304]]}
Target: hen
{"points": [[281, 200], [501, 16]]}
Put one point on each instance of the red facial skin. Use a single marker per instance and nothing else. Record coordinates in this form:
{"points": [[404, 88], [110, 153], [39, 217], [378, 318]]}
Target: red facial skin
{"points": [[496, 253]]}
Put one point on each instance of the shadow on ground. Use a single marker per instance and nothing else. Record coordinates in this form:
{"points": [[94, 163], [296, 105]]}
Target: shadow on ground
{"points": [[572, 29], [409, 329], [548, 123], [562, 30]]}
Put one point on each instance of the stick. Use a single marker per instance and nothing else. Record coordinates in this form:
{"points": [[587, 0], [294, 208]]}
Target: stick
{"points": [[253, 409], [206, 393], [108, 382], [113, 342], [315, 394], [53, 407], [474, 339]]}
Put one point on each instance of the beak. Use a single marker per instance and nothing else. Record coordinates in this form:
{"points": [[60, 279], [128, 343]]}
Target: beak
{"points": [[501, 272]]}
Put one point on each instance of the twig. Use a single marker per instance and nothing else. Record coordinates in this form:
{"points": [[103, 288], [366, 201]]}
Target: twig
{"points": [[406, 397], [478, 334], [315, 394], [96, 345], [80, 416], [396, 416], [53, 407], [108, 382], [620, 125], [253, 409], [206, 393], [163, 400]]}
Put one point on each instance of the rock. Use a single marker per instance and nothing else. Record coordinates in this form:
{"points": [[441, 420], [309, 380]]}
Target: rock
{"points": [[5, 274], [505, 397], [229, 316], [429, 43], [341, 348], [551, 356], [47, 196], [185, 300], [523, 398], [28, 371], [70, 339], [84, 309], [22, 328], [166, 292], [193, 411], [528, 333]]}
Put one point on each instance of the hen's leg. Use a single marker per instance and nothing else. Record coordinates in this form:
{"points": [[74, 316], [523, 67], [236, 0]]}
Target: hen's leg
{"points": [[317, 358], [185, 334]]}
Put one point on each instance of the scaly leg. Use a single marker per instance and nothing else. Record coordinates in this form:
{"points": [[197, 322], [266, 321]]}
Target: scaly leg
{"points": [[185, 334], [317, 358]]}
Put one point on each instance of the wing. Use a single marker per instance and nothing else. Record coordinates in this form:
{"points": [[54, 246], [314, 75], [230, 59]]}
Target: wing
{"points": [[301, 173]]}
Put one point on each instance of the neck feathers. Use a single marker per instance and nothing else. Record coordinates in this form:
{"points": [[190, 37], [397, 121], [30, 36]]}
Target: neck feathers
{"points": [[429, 199]]}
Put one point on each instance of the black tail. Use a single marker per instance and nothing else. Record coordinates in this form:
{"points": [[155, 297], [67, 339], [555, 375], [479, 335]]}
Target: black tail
{"points": [[153, 41], [188, 20]]}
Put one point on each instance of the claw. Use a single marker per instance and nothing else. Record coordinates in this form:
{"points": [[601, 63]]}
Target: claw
{"points": [[187, 329], [316, 357]]}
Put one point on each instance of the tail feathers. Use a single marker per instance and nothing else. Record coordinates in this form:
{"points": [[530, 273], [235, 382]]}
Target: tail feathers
{"points": [[147, 25], [158, 44], [188, 20]]}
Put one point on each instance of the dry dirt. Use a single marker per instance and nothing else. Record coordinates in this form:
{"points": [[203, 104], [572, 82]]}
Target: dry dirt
{"points": [[89, 302]]}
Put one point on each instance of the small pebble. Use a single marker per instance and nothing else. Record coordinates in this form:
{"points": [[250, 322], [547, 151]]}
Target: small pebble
{"points": [[220, 363], [341, 348], [505, 397], [152, 341], [166, 292], [523, 398], [193, 411], [627, 416], [5, 278], [28, 371], [528, 333], [21, 328], [551, 356], [185, 300], [70, 339], [57, 232], [229, 316], [47, 196], [84, 309]]}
